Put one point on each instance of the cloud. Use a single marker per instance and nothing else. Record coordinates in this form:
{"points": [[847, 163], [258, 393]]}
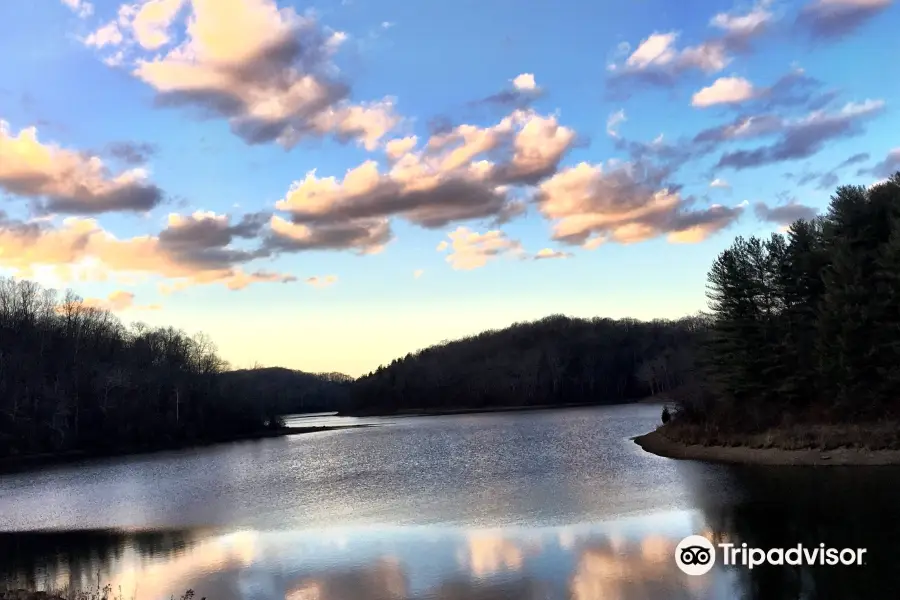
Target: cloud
{"points": [[398, 147], [107, 35], [658, 61], [67, 181], [204, 239], [550, 253], [418, 273], [449, 179], [829, 179], [613, 121], [794, 136], [795, 88], [742, 26], [151, 21], [366, 236], [117, 301], [719, 183], [624, 203], [321, 282], [524, 90], [525, 82], [234, 281], [832, 19], [132, 153], [875, 184], [471, 250], [885, 168], [804, 137], [82, 8], [191, 250], [725, 90], [742, 128], [783, 214], [268, 71], [855, 159]]}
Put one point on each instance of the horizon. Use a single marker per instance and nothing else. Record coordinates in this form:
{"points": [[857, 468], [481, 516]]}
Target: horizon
{"points": [[326, 191]]}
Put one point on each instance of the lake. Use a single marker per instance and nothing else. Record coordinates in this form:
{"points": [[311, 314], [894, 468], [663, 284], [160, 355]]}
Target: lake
{"points": [[530, 505]]}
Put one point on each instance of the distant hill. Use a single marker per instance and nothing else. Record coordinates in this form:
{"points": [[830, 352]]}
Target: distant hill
{"points": [[556, 360], [285, 391]]}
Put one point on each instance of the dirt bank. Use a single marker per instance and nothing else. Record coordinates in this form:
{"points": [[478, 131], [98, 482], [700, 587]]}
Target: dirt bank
{"points": [[656, 442]]}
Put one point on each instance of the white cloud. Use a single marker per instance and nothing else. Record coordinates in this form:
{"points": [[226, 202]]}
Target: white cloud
{"points": [[525, 82], [397, 148], [448, 180], [719, 183], [744, 24], [267, 70], [151, 21], [613, 121], [658, 51], [191, 250], [725, 90], [82, 8], [69, 181], [471, 250], [550, 253], [108, 35], [593, 204], [658, 60]]}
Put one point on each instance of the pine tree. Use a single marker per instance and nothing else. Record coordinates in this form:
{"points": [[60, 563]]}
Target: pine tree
{"points": [[886, 342]]}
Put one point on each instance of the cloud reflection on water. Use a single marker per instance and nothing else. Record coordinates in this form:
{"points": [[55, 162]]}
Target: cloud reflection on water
{"points": [[583, 563], [625, 559]]}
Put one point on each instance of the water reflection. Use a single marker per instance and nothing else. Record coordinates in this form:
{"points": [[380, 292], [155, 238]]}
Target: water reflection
{"points": [[624, 559], [837, 507]]}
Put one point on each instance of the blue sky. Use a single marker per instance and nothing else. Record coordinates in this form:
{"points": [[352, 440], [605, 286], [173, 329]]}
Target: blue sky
{"points": [[172, 159]]}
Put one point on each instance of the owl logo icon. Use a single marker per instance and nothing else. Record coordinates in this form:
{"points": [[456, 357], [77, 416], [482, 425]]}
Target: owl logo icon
{"points": [[695, 555]]}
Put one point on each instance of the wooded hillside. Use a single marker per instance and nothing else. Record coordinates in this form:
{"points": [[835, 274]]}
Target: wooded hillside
{"points": [[285, 391], [73, 377], [557, 360]]}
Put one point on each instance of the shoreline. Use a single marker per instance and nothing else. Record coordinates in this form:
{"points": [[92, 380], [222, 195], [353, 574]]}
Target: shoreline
{"points": [[655, 442], [30, 461]]}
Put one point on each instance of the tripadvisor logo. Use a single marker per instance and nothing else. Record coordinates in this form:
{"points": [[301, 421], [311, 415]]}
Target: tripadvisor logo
{"points": [[696, 555]]}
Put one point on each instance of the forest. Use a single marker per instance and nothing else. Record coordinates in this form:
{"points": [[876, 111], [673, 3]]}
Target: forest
{"points": [[286, 391], [804, 327], [554, 361], [74, 378]]}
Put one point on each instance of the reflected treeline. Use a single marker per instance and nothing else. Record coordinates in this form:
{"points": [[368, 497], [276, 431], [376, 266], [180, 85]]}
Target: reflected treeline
{"points": [[73, 559], [841, 508]]}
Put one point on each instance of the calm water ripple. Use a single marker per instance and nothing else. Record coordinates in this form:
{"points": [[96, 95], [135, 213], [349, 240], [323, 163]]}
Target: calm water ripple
{"points": [[551, 504]]}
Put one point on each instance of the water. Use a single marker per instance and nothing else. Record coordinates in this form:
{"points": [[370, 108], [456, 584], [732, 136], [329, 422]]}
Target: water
{"points": [[544, 505]]}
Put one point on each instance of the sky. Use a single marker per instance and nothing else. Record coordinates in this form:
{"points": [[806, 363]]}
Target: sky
{"points": [[328, 186]]}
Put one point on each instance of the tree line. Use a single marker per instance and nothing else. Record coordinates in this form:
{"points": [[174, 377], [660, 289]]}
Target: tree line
{"points": [[804, 327], [73, 377], [286, 391], [554, 361]]}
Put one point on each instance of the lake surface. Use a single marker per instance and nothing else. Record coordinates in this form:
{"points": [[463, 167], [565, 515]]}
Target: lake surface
{"points": [[532, 505]]}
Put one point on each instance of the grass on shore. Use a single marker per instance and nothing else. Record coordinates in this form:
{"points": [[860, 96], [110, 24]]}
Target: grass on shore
{"points": [[882, 435]]}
